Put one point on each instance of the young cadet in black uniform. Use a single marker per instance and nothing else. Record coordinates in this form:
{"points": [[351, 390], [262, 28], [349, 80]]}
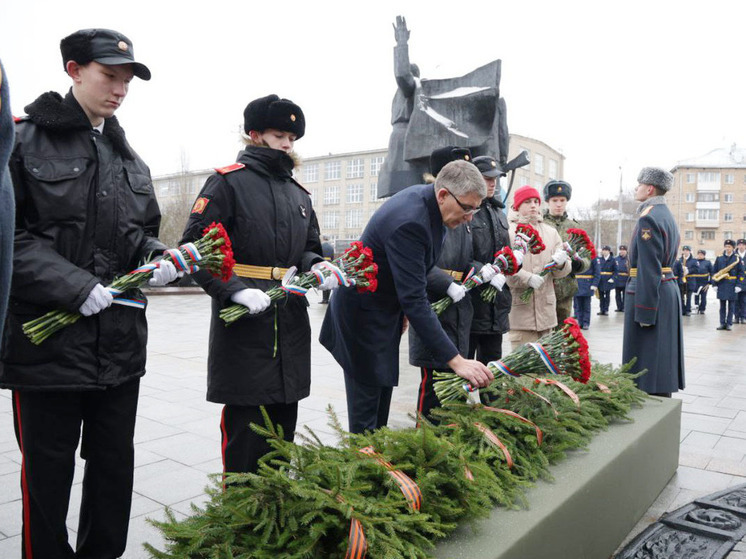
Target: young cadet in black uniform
{"points": [[740, 311], [85, 214], [730, 285], [684, 268], [622, 275], [607, 267], [701, 281], [263, 359]]}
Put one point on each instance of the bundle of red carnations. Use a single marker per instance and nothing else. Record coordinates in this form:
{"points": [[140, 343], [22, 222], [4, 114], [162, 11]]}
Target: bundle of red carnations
{"points": [[562, 352], [354, 268], [212, 252], [505, 263], [527, 239], [578, 246]]}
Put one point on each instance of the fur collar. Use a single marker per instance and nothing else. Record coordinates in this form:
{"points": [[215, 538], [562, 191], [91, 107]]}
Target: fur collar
{"points": [[51, 112]]}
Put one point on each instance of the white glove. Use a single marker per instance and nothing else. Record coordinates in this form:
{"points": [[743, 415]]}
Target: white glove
{"points": [[487, 272], [644, 325], [456, 291], [738, 290], [98, 299], [560, 257], [535, 282], [255, 300], [593, 288], [611, 280], [685, 271], [165, 273], [498, 281], [518, 257], [330, 281]]}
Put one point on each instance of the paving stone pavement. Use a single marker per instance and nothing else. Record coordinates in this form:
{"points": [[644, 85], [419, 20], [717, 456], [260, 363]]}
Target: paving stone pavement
{"points": [[178, 444]]}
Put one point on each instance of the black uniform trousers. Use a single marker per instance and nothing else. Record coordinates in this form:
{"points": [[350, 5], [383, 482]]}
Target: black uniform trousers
{"points": [[48, 430], [367, 405], [727, 309], [619, 293], [426, 398], [700, 301], [740, 311], [605, 297], [486, 347], [241, 447], [582, 305]]}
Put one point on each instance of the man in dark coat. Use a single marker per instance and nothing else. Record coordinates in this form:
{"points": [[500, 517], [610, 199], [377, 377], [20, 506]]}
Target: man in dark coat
{"points": [[587, 284], [740, 310], [607, 268], [7, 209], [263, 359], [684, 268], [327, 251], [490, 233], [730, 284], [701, 281], [622, 275], [652, 319], [362, 330], [85, 214]]}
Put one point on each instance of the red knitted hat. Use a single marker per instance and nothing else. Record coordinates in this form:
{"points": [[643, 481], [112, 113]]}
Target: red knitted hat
{"points": [[524, 193]]}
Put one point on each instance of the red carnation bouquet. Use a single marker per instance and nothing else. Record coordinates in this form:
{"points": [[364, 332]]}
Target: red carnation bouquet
{"points": [[526, 240], [562, 352], [578, 246], [505, 263], [211, 252], [354, 268]]}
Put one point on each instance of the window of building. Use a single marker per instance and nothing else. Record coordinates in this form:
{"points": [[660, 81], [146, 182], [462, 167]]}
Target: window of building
{"points": [[708, 196], [163, 188], [690, 216], [375, 165], [331, 195], [539, 164], [354, 193], [688, 235], [355, 168], [354, 218], [374, 191], [727, 217], [708, 214], [690, 178], [331, 220], [727, 235], [708, 181], [333, 170], [552, 169], [690, 196], [728, 198], [708, 235], [311, 172], [730, 178]]}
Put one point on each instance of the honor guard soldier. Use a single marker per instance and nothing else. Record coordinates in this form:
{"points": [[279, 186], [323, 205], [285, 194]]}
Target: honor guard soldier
{"points": [[740, 311], [557, 194], [86, 213], [727, 277], [607, 268], [587, 284], [701, 281], [622, 275], [263, 359], [653, 330]]}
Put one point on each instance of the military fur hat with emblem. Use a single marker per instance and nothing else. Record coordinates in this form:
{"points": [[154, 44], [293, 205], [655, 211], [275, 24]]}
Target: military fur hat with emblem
{"points": [[104, 46], [442, 156], [657, 177], [273, 112], [557, 188]]}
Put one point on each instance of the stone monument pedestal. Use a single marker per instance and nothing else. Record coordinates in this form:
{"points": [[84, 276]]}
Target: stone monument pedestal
{"points": [[596, 498]]}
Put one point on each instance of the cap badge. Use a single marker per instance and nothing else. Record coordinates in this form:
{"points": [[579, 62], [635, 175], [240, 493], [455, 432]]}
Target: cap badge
{"points": [[493, 163], [559, 189], [292, 117], [122, 45], [466, 158]]}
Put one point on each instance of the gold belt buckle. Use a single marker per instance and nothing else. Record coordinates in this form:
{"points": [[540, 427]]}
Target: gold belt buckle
{"points": [[276, 273]]}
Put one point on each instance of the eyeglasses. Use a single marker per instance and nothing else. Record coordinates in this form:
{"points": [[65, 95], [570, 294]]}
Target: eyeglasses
{"points": [[468, 210]]}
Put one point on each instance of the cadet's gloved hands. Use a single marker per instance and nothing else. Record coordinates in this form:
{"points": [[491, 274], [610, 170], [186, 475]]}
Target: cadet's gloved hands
{"points": [[255, 300], [98, 299], [487, 272], [643, 325], [738, 290], [593, 288], [611, 280], [685, 271], [165, 273], [330, 282], [498, 281], [456, 291], [535, 281], [560, 257]]}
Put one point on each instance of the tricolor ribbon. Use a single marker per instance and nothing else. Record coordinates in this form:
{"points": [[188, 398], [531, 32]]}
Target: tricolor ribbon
{"points": [[335, 271], [502, 368], [408, 487], [287, 283], [134, 303], [491, 437], [539, 434], [563, 387], [548, 363]]}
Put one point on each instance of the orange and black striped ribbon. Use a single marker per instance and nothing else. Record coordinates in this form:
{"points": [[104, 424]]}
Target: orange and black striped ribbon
{"points": [[563, 387], [358, 545], [491, 437], [408, 487], [539, 434]]}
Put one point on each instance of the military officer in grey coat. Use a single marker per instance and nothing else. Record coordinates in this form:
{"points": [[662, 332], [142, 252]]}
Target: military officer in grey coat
{"points": [[652, 310]]}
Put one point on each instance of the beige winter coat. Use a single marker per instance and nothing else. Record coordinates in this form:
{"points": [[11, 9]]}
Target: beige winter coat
{"points": [[540, 312]]}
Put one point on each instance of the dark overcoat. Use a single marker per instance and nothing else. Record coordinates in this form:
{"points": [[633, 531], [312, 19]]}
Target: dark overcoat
{"points": [[727, 286], [702, 275], [652, 297], [363, 330], [7, 204], [264, 358], [608, 270], [587, 279], [622, 272], [456, 319], [86, 213]]}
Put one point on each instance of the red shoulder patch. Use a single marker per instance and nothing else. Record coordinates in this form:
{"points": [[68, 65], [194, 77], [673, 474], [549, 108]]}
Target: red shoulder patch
{"points": [[17, 119], [229, 168], [199, 205]]}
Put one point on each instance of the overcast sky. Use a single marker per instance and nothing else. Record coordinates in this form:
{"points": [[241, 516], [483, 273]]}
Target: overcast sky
{"points": [[608, 84]]}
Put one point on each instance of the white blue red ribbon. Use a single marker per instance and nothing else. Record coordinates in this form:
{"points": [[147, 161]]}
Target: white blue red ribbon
{"points": [[502, 368], [288, 286], [548, 363]]}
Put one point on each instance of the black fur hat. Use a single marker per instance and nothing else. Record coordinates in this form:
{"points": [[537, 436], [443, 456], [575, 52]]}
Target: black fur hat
{"points": [[442, 156], [557, 188], [104, 46], [273, 112]]}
